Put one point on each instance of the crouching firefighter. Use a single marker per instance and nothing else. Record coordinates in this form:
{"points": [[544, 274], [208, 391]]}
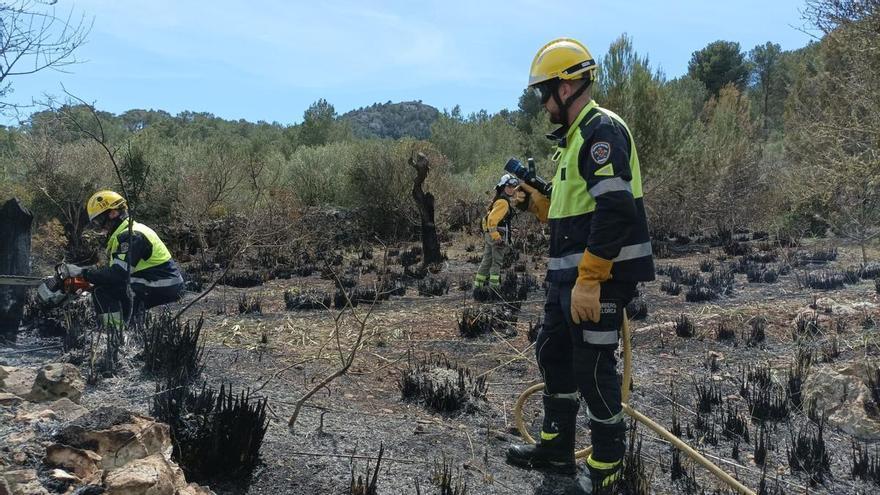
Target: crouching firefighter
{"points": [[599, 251], [155, 279], [496, 233]]}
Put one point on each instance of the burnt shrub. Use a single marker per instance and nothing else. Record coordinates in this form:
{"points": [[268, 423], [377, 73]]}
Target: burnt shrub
{"points": [[707, 266], [171, 348], [217, 435], [671, 288], [368, 485], [761, 275], [757, 330], [822, 280], [433, 286], [242, 279], [306, 300], [534, 329], [684, 327], [476, 321], [465, 283], [442, 386], [870, 270], [637, 309], [700, 293], [416, 272], [724, 332], [877, 285], [819, 256], [735, 248], [707, 395], [248, 305], [865, 466], [808, 453], [762, 257]]}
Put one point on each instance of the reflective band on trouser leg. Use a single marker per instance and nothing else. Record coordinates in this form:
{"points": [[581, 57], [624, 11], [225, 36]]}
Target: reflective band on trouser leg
{"points": [[607, 337], [613, 420], [164, 282], [610, 185], [602, 465], [608, 472], [111, 319], [495, 280]]}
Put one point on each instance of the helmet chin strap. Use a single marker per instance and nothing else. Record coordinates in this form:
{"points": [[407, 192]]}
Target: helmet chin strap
{"points": [[565, 105]]}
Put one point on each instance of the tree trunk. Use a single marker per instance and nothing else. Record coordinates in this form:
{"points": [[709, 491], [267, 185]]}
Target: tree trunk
{"points": [[15, 254], [425, 203]]}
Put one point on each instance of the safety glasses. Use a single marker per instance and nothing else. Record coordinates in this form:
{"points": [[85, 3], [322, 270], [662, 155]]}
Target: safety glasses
{"points": [[544, 90]]}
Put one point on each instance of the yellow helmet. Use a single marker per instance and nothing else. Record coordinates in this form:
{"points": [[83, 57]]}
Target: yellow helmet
{"points": [[562, 58], [103, 201]]}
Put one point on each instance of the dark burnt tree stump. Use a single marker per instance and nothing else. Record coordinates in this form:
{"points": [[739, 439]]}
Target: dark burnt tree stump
{"points": [[425, 203], [15, 254]]}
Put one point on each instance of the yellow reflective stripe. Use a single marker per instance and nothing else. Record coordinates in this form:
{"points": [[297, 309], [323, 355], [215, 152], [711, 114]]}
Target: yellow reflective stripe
{"points": [[602, 465], [480, 277], [548, 436]]}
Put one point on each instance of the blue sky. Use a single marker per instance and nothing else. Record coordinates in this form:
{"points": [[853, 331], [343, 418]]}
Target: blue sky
{"points": [[269, 59]]}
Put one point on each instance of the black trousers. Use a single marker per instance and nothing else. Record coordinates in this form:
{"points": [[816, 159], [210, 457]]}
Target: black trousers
{"points": [[114, 299], [580, 358]]}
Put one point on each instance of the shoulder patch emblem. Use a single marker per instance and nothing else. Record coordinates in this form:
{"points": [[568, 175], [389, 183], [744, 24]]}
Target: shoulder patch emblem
{"points": [[606, 171], [600, 152]]}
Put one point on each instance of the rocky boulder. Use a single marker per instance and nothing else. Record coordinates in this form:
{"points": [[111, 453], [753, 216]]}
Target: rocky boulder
{"points": [[118, 436], [152, 475], [840, 393], [17, 381], [85, 464], [57, 381]]}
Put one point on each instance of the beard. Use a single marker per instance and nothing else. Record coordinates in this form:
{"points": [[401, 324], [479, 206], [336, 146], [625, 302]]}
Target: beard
{"points": [[556, 117]]}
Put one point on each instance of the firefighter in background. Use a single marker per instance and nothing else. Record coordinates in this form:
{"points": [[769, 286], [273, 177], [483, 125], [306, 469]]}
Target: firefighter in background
{"points": [[496, 233], [599, 251], [154, 276]]}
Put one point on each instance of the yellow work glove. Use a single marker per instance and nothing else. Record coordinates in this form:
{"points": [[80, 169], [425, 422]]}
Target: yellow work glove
{"points": [[534, 201], [585, 294], [495, 235]]}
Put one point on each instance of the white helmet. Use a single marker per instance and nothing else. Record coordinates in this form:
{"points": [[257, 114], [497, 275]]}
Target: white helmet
{"points": [[508, 180]]}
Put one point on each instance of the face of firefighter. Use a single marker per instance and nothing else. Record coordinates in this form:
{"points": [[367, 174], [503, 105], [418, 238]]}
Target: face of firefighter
{"points": [[509, 190], [565, 89]]}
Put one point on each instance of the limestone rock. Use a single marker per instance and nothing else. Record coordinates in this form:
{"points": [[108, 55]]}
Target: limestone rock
{"points": [[57, 381], [67, 410], [118, 436], [4, 372], [7, 399], [24, 482], [840, 393], [152, 475], [194, 489], [19, 381], [83, 463]]}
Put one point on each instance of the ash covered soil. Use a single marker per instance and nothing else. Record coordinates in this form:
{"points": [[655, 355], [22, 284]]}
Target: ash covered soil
{"points": [[281, 354]]}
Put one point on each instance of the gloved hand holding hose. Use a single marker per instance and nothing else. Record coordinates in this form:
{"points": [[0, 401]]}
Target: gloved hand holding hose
{"points": [[69, 270], [528, 198], [592, 270]]}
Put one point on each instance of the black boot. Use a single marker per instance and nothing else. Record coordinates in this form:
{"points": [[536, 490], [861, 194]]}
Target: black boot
{"points": [[598, 477], [555, 449]]}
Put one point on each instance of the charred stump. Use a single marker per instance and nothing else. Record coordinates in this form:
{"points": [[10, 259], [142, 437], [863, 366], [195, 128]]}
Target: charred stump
{"points": [[15, 254], [425, 203]]}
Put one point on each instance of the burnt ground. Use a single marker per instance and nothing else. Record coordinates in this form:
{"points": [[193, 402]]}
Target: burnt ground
{"points": [[281, 354]]}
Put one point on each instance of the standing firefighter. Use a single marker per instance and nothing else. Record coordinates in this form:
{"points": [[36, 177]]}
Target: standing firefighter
{"points": [[496, 233], [155, 278], [599, 251]]}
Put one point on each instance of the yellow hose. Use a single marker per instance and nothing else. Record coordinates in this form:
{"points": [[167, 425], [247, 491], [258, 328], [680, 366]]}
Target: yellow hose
{"points": [[641, 418]]}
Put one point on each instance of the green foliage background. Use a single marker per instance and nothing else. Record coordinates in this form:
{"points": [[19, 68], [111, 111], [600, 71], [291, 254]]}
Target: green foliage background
{"points": [[743, 140]]}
